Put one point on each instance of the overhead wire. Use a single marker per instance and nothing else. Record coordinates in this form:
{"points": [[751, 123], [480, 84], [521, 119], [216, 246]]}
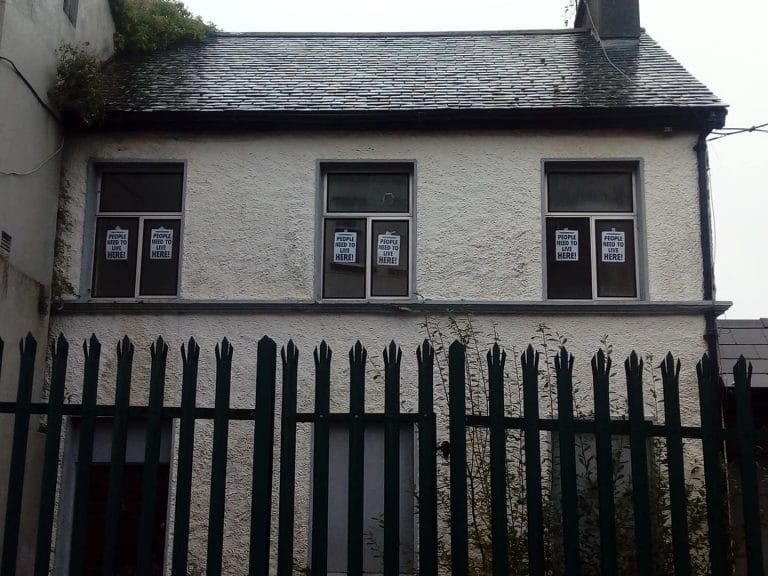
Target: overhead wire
{"points": [[724, 132], [42, 102], [602, 46]]}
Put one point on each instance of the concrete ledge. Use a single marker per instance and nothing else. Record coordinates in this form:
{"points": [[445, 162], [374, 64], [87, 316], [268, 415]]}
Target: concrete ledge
{"points": [[631, 308]]}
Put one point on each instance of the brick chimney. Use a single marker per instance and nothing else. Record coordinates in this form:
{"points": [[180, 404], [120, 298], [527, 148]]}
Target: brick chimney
{"points": [[610, 19]]}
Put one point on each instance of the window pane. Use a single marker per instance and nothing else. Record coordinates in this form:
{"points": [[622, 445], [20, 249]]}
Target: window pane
{"points": [[615, 250], [344, 259], [389, 258], [159, 274], [140, 192], [569, 267], [590, 192], [354, 192], [114, 270]]}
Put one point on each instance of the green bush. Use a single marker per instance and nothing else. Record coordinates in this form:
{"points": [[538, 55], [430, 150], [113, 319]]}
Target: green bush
{"points": [[79, 83], [143, 26]]}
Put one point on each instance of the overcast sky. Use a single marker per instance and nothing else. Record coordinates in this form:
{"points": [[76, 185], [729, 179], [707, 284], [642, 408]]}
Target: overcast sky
{"points": [[722, 42]]}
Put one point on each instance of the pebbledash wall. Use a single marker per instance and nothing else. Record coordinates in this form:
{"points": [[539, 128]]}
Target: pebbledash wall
{"points": [[249, 234]]}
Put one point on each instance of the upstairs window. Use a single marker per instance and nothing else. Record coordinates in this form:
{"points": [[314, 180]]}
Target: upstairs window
{"points": [[591, 231], [138, 231], [367, 231]]}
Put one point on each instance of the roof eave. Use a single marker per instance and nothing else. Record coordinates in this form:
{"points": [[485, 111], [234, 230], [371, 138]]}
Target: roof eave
{"points": [[698, 118]]}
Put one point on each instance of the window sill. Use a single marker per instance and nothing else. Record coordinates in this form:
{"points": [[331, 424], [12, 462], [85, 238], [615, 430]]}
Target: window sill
{"points": [[589, 307]]}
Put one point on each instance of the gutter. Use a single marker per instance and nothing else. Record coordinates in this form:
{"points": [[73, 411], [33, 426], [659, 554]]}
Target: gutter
{"points": [[708, 280]]}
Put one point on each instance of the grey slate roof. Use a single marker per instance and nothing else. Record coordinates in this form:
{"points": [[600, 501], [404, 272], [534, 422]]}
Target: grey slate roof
{"points": [[402, 72], [748, 338]]}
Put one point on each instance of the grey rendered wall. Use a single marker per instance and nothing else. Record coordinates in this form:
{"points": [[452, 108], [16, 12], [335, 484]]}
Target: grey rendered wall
{"points": [[30, 32]]}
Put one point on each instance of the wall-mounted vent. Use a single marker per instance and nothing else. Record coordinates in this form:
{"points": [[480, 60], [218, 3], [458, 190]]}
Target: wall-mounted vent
{"points": [[5, 244]]}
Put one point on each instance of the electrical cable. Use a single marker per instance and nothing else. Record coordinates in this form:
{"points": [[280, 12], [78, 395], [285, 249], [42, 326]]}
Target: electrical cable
{"points": [[39, 166], [43, 103], [723, 132], [602, 47]]}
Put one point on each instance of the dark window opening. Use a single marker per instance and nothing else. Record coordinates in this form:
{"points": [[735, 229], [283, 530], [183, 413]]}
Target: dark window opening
{"points": [[138, 233]]}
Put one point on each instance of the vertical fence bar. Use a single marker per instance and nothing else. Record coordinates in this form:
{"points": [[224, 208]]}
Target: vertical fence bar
{"points": [[670, 374], [638, 446], [457, 429], [290, 358], [530, 366], [706, 371], [219, 458], [125, 351], [601, 370], [159, 353], [499, 537], [745, 429], [567, 444], [189, 358], [320, 458], [59, 355], [263, 452], [355, 518], [84, 454], [27, 350], [425, 356], [392, 357]]}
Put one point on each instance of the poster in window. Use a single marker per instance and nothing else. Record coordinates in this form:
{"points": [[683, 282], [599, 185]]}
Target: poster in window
{"points": [[345, 247], [388, 250], [614, 246], [161, 244], [117, 244], [566, 245]]}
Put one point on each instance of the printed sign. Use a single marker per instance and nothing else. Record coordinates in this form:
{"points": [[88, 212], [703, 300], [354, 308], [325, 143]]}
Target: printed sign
{"points": [[566, 245], [345, 247], [160, 244], [117, 244], [388, 250], [613, 246]]}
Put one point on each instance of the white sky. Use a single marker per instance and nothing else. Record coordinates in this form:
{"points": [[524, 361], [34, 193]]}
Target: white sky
{"points": [[722, 42]]}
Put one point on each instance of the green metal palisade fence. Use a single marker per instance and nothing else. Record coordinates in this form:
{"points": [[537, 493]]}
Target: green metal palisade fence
{"points": [[636, 428]]}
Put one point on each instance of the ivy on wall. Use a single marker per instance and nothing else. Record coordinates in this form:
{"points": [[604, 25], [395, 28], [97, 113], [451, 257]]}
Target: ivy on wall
{"points": [[141, 27], [79, 84]]}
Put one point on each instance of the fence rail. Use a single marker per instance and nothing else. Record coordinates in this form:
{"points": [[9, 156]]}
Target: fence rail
{"points": [[636, 428]]}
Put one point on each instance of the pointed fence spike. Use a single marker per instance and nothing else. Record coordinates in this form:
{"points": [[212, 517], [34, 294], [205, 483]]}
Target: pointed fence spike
{"points": [[190, 357], [16, 468], [567, 452]]}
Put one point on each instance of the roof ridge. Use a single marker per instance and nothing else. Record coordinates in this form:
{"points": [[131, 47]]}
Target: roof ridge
{"points": [[444, 33]]}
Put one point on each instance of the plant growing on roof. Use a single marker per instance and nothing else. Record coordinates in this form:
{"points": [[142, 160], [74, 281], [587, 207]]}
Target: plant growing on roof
{"points": [[143, 26], [79, 83]]}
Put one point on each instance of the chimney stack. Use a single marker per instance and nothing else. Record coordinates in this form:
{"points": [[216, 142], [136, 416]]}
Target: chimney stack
{"points": [[610, 19]]}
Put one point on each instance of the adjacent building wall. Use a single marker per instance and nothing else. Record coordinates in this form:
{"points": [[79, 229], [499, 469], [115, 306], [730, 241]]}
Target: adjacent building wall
{"points": [[30, 33]]}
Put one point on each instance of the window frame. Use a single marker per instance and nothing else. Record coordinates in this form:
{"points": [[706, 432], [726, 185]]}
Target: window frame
{"points": [[325, 167], [93, 213], [635, 167]]}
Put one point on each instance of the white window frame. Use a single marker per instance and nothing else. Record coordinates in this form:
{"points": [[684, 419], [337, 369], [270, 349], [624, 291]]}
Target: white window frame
{"points": [[367, 167], [139, 168], [596, 167]]}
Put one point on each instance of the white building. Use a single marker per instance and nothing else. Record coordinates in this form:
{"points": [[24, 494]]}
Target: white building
{"points": [[346, 186]]}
